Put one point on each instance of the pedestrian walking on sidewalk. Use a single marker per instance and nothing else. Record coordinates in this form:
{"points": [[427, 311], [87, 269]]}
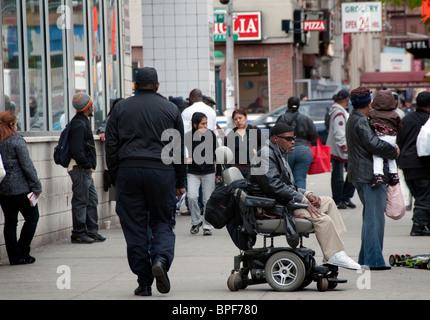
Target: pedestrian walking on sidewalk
{"points": [[21, 180], [201, 144], [81, 169], [416, 169], [145, 183]]}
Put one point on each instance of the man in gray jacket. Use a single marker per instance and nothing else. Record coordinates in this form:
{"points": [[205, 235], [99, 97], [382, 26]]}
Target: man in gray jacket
{"points": [[342, 190]]}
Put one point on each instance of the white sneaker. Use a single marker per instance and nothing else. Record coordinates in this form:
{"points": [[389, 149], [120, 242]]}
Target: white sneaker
{"points": [[341, 259]]}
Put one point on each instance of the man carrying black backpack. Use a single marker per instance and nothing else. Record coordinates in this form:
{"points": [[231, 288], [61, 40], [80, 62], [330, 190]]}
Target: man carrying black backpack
{"points": [[83, 152]]}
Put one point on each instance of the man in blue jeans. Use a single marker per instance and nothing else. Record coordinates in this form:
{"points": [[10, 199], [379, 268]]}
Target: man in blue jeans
{"points": [[145, 182], [363, 143]]}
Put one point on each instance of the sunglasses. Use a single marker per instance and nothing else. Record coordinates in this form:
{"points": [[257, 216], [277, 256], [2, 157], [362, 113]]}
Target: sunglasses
{"points": [[289, 139]]}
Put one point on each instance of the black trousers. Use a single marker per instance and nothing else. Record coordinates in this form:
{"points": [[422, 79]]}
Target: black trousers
{"points": [[146, 206], [12, 205]]}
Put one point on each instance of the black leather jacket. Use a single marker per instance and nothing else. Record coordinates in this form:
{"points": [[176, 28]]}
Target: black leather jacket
{"points": [[363, 143], [269, 177]]}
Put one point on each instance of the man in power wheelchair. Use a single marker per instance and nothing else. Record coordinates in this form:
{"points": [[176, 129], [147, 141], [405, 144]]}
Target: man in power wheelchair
{"points": [[272, 200]]}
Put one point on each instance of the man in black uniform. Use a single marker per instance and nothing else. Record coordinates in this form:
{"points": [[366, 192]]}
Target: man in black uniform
{"points": [[145, 183]]}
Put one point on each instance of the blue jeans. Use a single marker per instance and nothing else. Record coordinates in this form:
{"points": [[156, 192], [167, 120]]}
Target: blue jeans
{"points": [[299, 162], [420, 190], [146, 207], [372, 232], [84, 203]]}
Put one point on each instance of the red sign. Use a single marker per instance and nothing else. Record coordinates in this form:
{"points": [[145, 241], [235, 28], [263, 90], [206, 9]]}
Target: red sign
{"points": [[246, 26], [314, 25]]}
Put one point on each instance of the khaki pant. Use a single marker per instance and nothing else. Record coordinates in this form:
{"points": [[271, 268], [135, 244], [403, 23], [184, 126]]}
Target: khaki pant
{"points": [[328, 227]]}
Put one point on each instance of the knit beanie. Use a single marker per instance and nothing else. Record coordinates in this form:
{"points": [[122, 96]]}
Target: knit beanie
{"points": [[81, 101], [280, 127], [361, 101]]}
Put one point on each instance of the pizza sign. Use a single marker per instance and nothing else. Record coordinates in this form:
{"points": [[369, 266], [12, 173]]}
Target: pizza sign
{"points": [[246, 26], [314, 25]]}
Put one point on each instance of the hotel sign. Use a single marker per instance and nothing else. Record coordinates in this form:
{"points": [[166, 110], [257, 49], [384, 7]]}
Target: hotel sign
{"points": [[246, 26]]}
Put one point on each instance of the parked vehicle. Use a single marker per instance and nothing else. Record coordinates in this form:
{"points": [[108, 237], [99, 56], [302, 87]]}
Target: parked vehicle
{"points": [[316, 109]]}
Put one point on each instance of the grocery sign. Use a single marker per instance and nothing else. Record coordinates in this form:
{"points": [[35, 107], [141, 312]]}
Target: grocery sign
{"points": [[246, 25], [361, 17]]}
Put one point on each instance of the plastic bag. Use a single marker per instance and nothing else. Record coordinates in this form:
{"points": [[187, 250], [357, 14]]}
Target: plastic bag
{"points": [[321, 158], [423, 140]]}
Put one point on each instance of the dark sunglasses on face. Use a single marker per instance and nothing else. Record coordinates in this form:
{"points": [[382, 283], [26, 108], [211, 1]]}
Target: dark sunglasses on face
{"points": [[289, 139]]}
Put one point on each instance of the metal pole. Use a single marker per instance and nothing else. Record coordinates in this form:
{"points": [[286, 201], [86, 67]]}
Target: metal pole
{"points": [[229, 89]]}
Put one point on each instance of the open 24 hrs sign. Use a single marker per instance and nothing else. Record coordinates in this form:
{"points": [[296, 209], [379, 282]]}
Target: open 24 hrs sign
{"points": [[246, 25]]}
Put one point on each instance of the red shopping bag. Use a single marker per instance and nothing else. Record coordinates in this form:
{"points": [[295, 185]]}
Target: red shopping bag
{"points": [[321, 159]]}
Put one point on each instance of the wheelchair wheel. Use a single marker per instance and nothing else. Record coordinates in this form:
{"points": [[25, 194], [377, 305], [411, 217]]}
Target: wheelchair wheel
{"points": [[285, 271], [322, 284], [234, 282]]}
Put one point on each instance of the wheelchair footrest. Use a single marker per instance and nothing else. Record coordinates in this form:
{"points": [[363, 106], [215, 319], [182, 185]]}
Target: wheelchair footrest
{"points": [[321, 270], [336, 280]]}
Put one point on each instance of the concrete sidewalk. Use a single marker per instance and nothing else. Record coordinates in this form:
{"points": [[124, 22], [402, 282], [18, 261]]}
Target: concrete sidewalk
{"points": [[202, 265]]}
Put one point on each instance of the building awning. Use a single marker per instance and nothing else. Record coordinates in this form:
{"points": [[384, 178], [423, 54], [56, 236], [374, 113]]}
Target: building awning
{"points": [[380, 80]]}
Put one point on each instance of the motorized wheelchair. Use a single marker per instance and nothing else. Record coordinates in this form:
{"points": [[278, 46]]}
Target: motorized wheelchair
{"points": [[283, 268]]}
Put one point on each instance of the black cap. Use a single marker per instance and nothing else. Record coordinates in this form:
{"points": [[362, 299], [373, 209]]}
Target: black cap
{"points": [[280, 127], [146, 75], [342, 94]]}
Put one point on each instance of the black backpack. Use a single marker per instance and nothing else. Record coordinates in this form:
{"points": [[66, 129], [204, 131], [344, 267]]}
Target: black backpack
{"points": [[61, 151], [221, 206]]}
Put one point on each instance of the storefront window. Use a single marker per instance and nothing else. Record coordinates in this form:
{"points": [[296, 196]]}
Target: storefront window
{"points": [[113, 57], [35, 64], [97, 62], [254, 85], [80, 47], [12, 65], [57, 90]]}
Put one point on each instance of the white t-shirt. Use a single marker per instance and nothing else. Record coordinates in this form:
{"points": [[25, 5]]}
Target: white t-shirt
{"points": [[187, 114]]}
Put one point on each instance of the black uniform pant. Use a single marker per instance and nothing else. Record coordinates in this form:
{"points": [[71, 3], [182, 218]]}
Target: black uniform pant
{"points": [[146, 206]]}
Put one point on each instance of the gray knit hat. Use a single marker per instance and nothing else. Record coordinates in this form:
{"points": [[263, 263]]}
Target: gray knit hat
{"points": [[81, 101]]}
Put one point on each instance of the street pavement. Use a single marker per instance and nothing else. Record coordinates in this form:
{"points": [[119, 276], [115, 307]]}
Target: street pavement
{"points": [[202, 265]]}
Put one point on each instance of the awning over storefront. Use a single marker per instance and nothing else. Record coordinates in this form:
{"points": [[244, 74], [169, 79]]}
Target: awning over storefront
{"points": [[380, 80]]}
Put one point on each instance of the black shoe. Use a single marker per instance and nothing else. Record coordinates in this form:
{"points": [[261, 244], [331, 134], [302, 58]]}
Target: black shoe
{"points": [[143, 290], [82, 239], [98, 237], [159, 267], [341, 205], [377, 181], [381, 268], [394, 179], [350, 204], [418, 230], [18, 262], [30, 260], [195, 229], [27, 260]]}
